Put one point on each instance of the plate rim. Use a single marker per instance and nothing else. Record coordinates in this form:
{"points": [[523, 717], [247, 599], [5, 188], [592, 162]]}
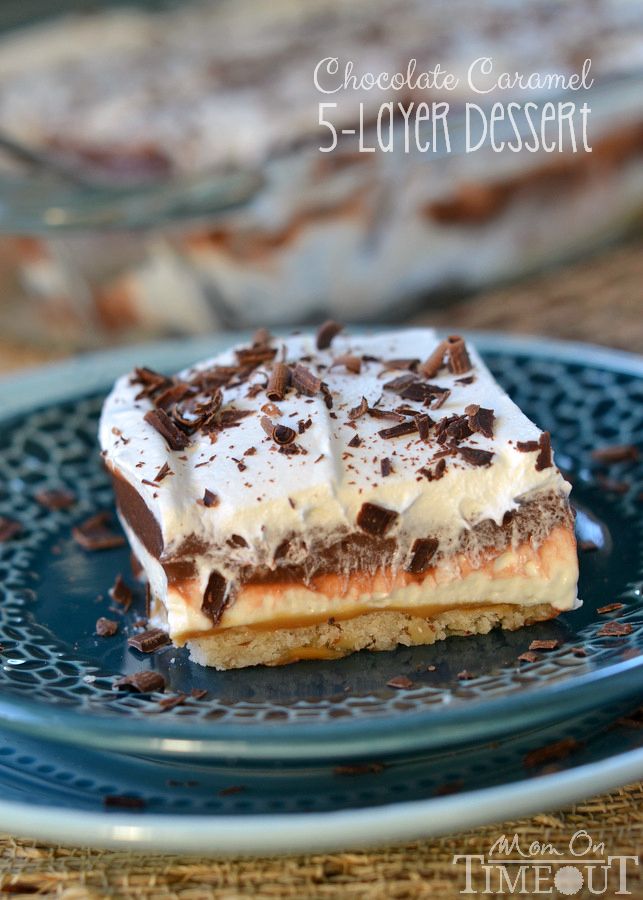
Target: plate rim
{"points": [[290, 833], [80, 376]]}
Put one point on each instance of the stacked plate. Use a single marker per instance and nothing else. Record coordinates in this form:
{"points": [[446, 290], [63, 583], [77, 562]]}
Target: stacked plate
{"points": [[315, 755]]}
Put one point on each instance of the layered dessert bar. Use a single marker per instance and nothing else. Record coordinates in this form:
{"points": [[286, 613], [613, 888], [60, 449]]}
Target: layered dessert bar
{"points": [[307, 497]]}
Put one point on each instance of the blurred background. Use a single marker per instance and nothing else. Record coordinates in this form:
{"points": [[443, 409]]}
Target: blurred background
{"points": [[160, 173]]}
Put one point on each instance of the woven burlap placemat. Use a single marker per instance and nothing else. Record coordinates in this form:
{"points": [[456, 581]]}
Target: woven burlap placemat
{"points": [[600, 301]]}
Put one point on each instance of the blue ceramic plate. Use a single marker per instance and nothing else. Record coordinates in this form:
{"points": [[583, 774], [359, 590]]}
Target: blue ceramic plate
{"points": [[57, 792], [56, 675]]}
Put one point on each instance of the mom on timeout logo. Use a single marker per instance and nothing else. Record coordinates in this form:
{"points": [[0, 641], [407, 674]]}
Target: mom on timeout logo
{"points": [[543, 869]]}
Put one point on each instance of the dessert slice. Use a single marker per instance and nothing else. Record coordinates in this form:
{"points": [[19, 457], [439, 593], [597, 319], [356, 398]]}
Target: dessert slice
{"points": [[303, 498]]}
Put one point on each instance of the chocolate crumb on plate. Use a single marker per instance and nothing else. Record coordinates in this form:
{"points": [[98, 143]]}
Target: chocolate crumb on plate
{"points": [[449, 787], [326, 333], [149, 641], [587, 546], [55, 498], [232, 789], [616, 453], [141, 683], [400, 682], [544, 645], [465, 675], [366, 768], [528, 656], [95, 533], [613, 485], [106, 627], [611, 607], [198, 693], [614, 629], [551, 752], [172, 701], [578, 651], [9, 528], [123, 801]]}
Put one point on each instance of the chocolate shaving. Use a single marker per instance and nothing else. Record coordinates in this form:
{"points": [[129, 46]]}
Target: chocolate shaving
{"points": [[55, 499], [95, 534], [436, 473], [452, 428], [231, 790], [375, 519], [351, 363], [358, 411], [551, 752], [544, 458], [106, 627], [376, 413], [422, 392], [215, 598], [611, 607], [251, 357], [544, 645], [278, 382], [228, 418], [616, 453], [480, 419], [171, 395], [527, 446], [149, 641], [355, 441], [476, 457], [282, 434], [326, 332], [400, 682], [172, 434], [614, 629], [386, 467], [389, 364], [423, 423], [162, 473], [210, 499], [397, 385], [404, 428], [9, 528], [328, 397], [422, 552], [431, 366], [141, 683], [304, 381], [121, 593], [152, 382], [459, 361]]}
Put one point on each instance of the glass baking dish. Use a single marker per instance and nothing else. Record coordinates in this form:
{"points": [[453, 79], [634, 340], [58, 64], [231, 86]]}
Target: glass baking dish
{"points": [[280, 233]]}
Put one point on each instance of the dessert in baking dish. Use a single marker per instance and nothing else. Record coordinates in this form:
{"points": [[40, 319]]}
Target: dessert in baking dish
{"points": [[303, 498]]}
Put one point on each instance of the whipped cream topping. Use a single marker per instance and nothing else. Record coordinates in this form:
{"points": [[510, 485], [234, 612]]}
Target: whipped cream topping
{"points": [[263, 496]]}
